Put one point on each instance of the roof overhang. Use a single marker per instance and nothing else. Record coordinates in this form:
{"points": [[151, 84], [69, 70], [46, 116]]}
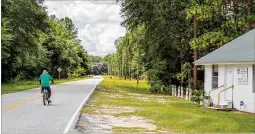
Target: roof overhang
{"points": [[226, 63]]}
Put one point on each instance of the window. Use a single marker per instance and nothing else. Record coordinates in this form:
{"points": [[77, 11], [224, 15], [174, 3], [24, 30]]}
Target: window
{"points": [[215, 76]]}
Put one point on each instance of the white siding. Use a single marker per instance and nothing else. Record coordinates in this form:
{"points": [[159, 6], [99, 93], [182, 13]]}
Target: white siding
{"points": [[221, 80], [208, 79], [221, 73], [240, 92], [244, 92], [208, 84]]}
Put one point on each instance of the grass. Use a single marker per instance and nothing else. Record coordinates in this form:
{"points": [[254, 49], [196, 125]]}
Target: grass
{"points": [[127, 130], [29, 84], [172, 114]]}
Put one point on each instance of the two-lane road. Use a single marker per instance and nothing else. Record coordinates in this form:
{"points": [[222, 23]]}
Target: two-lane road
{"points": [[24, 112]]}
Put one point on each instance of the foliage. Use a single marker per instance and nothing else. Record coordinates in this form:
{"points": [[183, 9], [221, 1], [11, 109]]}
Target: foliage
{"points": [[79, 72], [33, 41], [186, 69], [196, 96], [167, 40], [16, 86]]}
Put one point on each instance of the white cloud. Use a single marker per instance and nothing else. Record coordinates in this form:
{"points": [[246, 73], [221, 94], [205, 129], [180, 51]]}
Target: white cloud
{"points": [[98, 23]]}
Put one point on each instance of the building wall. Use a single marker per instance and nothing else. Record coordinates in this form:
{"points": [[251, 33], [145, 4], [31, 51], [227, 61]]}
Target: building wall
{"points": [[244, 92], [208, 82], [240, 92], [221, 73], [221, 81], [208, 79]]}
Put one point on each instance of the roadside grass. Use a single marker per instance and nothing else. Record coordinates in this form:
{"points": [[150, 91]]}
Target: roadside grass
{"points": [[127, 130], [30, 84], [167, 113]]}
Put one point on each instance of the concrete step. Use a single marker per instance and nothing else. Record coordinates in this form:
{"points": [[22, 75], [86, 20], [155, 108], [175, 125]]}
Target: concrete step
{"points": [[222, 109], [226, 102]]}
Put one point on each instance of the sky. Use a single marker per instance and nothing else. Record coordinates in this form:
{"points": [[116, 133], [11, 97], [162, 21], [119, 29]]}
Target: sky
{"points": [[98, 22]]}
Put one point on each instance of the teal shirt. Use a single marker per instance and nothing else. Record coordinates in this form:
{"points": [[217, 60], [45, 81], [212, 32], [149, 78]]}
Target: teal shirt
{"points": [[45, 80]]}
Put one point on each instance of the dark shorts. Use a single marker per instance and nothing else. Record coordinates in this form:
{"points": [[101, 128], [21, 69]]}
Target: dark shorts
{"points": [[48, 88]]}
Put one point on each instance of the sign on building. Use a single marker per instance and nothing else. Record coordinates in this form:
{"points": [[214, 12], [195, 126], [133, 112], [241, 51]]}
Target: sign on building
{"points": [[242, 76]]}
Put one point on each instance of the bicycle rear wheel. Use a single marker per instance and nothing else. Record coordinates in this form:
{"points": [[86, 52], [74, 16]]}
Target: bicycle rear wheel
{"points": [[45, 96], [44, 103], [48, 99]]}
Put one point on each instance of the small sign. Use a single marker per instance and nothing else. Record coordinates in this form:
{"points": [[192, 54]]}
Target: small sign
{"points": [[59, 69], [242, 76], [241, 103]]}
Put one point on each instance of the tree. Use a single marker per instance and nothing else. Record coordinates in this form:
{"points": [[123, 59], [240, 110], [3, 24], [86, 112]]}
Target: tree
{"points": [[33, 41]]}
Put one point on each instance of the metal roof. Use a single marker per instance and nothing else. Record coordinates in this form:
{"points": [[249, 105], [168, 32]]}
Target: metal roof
{"points": [[241, 49]]}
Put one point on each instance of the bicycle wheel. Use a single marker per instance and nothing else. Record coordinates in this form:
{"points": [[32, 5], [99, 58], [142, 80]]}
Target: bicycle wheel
{"points": [[48, 98], [44, 103], [45, 96]]}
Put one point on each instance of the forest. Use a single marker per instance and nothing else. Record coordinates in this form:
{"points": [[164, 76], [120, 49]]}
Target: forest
{"points": [[32, 41], [163, 40], [165, 37]]}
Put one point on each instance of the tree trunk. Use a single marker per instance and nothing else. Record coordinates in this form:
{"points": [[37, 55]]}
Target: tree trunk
{"points": [[130, 73], [249, 10], [195, 54], [137, 79], [181, 64], [120, 67]]}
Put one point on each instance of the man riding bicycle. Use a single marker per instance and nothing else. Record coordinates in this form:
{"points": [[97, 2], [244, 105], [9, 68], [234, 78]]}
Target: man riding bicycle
{"points": [[45, 79]]}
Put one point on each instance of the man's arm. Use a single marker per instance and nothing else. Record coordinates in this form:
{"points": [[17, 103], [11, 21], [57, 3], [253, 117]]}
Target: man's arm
{"points": [[52, 81]]}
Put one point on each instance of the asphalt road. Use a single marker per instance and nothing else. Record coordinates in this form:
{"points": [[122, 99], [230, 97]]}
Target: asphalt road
{"points": [[24, 112]]}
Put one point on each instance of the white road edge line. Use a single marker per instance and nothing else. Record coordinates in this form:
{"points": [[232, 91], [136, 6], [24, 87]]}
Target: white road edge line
{"points": [[79, 108]]}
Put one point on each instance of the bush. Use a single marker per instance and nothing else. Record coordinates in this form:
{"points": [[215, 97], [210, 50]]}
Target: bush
{"points": [[196, 96], [155, 85], [78, 72]]}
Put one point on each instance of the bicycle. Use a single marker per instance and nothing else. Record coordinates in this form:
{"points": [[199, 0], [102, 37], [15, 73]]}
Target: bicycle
{"points": [[45, 96]]}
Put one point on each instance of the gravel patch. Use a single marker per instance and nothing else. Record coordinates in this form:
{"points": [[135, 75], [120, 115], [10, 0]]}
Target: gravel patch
{"points": [[93, 123]]}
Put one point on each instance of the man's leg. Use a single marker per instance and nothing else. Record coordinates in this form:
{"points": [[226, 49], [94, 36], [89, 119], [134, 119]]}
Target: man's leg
{"points": [[49, 91]]}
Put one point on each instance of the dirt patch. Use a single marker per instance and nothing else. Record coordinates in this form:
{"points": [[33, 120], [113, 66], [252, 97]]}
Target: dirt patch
{"points": [[116, 96], [145, 99], [122, 91], [105, 109], [91, 123], [134, 94], [165, 101]]}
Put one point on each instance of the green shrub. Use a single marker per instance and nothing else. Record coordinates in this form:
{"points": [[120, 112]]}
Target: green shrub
{"points": [[196, 96], [79, 72]]}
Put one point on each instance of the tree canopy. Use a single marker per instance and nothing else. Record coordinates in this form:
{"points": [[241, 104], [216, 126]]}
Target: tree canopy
{"points": [[160, 40], [33, 41]]}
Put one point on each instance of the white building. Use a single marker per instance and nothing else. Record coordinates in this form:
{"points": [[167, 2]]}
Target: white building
{"points": [[230, 71]]}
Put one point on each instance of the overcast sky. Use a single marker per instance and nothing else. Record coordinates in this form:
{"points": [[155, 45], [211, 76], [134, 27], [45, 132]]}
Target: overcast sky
{"points": [[98, 23]]}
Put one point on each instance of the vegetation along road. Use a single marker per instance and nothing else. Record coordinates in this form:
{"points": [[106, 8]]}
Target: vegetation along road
{"points": [[146, 46], [123, 106]]}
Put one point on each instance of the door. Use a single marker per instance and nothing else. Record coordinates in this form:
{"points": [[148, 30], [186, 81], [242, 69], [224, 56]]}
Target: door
{"points": [[228, 82]]}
